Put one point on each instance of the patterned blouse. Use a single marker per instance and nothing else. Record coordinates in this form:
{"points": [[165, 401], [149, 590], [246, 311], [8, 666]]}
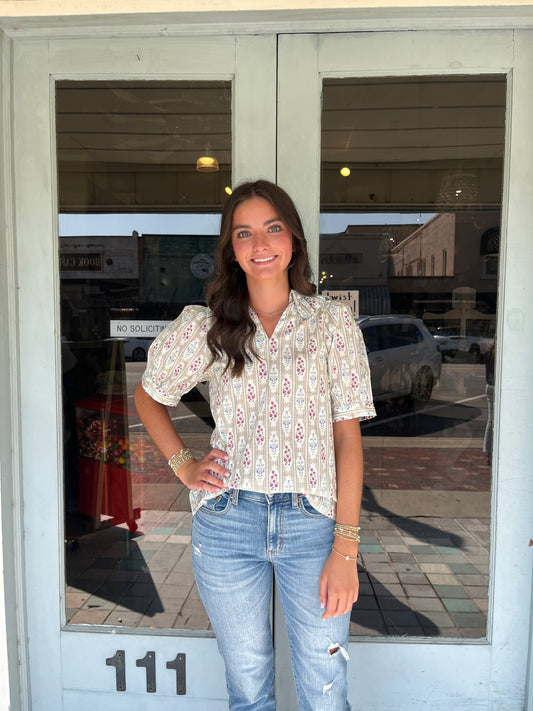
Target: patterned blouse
{"points": [[275, 421]]}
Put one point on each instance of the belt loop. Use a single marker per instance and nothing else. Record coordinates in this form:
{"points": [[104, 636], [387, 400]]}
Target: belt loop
{"points": [[234, 496], [295, 500]]}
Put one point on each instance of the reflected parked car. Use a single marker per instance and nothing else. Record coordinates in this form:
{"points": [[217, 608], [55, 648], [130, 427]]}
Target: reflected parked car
{"points": [[137, 348], [450, 342], [403, 356]]}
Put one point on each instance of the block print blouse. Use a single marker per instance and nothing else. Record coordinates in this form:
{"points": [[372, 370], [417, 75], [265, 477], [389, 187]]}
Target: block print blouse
{"points": [[275, 421]]}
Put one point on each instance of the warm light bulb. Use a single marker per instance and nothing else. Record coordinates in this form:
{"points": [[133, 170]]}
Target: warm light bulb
{"points": [[207, 164], [228, 190], [345, 172]]}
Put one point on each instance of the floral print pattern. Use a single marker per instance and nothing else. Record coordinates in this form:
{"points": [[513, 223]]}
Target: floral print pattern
{"points": [[312, 372]]}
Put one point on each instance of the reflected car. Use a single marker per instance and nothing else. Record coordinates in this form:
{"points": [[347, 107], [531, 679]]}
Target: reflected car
{"points": [[137, 348], [403, 356], [450, 342]]}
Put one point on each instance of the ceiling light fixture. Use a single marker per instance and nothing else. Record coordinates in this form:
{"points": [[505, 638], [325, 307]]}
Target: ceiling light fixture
{"points": [[207, 164], [345, 171]]}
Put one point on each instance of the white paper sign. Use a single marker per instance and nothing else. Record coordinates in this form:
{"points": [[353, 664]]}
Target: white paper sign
{"points": [[136, 329], [350, 298]]}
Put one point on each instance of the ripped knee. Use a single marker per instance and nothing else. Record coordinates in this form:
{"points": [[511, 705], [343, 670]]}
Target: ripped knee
{"points": [[335, 647]]}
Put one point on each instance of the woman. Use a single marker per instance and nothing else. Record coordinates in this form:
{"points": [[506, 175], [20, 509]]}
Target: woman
{"points": [[280, 489]]}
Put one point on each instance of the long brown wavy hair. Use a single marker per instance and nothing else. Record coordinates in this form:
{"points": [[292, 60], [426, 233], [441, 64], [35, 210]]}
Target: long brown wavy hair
{"points": [[227, 296]]}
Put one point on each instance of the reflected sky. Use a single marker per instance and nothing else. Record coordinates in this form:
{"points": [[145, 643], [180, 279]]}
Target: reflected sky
{"points": [[108, 225]]}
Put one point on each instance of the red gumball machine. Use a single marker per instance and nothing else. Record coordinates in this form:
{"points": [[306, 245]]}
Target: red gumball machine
{"points": [[104, 471]]}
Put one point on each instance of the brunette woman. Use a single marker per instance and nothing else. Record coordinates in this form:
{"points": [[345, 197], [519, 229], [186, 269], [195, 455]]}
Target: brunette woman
{"points": [[280, 489]]}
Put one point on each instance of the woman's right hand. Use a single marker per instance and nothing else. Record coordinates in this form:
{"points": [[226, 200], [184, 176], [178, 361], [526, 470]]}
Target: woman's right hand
{"points": [[206, 473]]}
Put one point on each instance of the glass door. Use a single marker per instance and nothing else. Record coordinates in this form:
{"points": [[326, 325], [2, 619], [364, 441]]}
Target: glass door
{"points": [[115, 219], [145, 150], [403, 205], [143, 170]]}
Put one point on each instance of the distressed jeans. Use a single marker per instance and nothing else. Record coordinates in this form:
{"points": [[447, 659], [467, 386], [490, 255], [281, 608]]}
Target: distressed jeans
{"points": [[238, 540]]}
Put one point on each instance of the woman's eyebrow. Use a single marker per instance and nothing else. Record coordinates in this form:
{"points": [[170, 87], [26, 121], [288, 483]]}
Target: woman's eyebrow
{"points": [[247, 227]]}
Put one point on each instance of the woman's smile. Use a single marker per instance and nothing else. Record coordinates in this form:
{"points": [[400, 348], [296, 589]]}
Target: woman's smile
{"points": [[265, 259]]}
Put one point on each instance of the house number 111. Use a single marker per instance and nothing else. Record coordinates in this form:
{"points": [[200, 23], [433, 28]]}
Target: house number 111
{"points": [[118, 660]]}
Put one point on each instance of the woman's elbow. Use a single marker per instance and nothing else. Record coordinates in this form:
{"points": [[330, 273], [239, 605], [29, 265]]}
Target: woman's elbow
{"points": [[140, 396]]}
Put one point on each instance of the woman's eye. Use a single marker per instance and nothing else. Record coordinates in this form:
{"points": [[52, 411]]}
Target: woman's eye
{"points": [[241, 235], [275, 228]]}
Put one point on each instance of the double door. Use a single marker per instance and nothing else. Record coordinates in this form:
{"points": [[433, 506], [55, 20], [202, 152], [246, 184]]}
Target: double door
{"points": [[123, 152]]}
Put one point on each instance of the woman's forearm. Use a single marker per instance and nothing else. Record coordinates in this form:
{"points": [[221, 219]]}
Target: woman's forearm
{"points": [[349, 465], [339, 583]]}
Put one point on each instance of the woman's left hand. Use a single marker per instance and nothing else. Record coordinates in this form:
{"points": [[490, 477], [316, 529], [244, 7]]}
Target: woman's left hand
{"points": [[339, 586]]}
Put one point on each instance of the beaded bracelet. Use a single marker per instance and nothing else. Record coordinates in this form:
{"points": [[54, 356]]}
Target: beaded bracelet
{"points": [[179, 458], [346, 557]]}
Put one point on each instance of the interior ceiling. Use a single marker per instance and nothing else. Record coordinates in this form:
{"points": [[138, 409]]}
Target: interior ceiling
{"points": [[411, 120], [365, 121], [153, 123]]}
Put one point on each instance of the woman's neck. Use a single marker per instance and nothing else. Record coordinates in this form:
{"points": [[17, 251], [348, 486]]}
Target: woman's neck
{"points": [[269, 302]]}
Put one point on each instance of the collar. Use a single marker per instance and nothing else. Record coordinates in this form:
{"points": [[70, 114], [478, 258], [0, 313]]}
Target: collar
{"points": [[306, 306]]}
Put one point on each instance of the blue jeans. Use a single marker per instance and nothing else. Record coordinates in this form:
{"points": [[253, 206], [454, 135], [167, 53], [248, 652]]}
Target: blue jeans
{"points": [[238, 539]]}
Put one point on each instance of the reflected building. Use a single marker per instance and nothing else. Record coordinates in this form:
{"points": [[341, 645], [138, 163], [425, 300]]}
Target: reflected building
{"points": [[444, 271]]}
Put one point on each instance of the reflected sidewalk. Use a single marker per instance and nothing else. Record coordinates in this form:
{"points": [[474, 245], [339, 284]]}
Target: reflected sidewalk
{"points": [[424, 552], [420, 576]]}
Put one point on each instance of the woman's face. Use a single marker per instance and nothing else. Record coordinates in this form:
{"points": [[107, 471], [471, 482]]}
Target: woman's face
{"points": [[261, 242]]}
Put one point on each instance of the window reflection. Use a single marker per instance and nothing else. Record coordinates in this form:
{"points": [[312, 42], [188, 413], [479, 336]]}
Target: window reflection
{"points": [[138, 226], [410, 235]]}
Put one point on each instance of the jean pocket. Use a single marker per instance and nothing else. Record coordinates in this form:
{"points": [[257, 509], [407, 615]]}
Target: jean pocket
{"points": [[218, 505], [307, 509]]}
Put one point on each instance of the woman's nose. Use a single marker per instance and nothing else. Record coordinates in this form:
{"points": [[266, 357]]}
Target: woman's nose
{"points": [[260, 241]]}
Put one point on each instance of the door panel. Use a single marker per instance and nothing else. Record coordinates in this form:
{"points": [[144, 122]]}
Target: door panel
{"points": [[409, 520], [97, 182], [87, 672]]}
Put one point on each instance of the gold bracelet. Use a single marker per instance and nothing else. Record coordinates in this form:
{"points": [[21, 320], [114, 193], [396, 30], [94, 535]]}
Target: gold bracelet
{"points": [[179, 458], [352, 539], [346, 557], [349, 533]]}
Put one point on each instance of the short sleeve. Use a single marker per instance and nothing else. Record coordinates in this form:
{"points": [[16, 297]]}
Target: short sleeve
{"points": [[350, 386], [179, 357]]}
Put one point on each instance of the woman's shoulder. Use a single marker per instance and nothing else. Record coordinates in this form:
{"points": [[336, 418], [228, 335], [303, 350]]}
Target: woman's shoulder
{"points": [[192, 318], [195, 312], [313, 303], [323, 306]]}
